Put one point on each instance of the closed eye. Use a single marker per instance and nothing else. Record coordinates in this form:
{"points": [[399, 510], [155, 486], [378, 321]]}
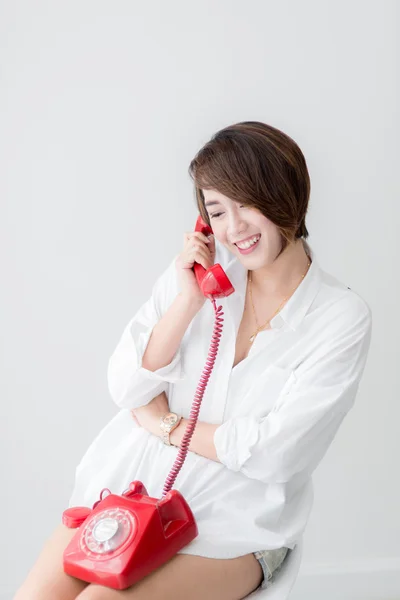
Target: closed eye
{"points": [[220, 213]]}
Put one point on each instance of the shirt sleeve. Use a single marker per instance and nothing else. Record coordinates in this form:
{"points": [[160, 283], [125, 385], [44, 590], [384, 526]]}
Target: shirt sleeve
{"points": [[129, 383], [294, 436]]}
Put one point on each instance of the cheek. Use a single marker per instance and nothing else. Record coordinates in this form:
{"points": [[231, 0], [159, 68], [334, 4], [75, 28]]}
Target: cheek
{"points": [[271, 230]]}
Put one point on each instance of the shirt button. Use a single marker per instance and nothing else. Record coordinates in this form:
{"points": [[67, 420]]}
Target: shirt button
{"points": [[277, 322]]}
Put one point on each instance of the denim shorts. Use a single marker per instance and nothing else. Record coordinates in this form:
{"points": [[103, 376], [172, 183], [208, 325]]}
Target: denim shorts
{"points": [[271, 561]]}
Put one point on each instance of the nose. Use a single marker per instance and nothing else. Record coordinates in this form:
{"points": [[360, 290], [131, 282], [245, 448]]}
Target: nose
{"points": [[236, 226]]}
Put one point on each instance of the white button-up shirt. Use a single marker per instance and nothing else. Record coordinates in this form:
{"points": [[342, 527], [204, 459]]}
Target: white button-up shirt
{"points": [[278, 409]]}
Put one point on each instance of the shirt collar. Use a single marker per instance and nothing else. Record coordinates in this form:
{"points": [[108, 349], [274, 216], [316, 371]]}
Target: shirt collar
{"points": [[295, 309]]}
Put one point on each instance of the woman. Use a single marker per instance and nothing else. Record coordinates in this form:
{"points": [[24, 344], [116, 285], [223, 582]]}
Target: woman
{"points": [[292, 352]]}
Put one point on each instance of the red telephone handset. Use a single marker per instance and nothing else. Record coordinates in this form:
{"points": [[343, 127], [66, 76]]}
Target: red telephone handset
{"points": [[212, 281], [121, 539]]}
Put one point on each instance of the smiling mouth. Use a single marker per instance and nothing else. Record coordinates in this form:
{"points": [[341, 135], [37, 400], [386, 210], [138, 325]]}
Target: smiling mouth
{"points": [[251, 245]]}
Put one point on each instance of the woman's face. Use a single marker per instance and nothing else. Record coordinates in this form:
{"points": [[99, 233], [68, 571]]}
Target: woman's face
{"points": [[233, 222]]}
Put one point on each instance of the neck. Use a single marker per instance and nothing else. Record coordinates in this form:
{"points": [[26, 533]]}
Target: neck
{"points": [[279, 278]]}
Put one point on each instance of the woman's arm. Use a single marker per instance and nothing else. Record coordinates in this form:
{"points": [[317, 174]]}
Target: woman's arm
{"points": [[138, 369], [167, 335], [202, 441]]}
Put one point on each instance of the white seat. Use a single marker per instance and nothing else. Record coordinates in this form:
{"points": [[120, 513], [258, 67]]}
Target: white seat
{"points": [[284, 579]]}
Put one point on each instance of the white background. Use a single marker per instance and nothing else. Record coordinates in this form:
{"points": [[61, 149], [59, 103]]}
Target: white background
{"points": [[102, 107]]}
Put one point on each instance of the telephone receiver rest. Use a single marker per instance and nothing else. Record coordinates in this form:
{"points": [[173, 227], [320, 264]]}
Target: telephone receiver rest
{"points": [[212, 281]]}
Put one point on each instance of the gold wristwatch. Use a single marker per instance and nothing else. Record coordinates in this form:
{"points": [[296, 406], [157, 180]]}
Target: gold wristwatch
{"points": [[168, 423]]}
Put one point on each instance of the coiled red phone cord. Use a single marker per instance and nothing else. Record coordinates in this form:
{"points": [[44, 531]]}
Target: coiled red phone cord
{"points": [[194, 413]]}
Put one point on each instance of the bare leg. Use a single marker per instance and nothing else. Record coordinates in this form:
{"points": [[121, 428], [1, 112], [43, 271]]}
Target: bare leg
{"points": [[187, 577], [47, 580]]}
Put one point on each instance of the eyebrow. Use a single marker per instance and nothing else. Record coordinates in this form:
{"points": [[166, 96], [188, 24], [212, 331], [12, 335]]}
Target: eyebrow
{"points": [[211, 202]]}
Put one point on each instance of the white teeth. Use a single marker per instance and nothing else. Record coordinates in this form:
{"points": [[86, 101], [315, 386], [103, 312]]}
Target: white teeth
{"points": [[251, 242]]}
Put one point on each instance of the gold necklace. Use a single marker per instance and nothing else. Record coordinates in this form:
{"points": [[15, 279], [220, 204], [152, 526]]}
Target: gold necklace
{"points": [[253, 337]]}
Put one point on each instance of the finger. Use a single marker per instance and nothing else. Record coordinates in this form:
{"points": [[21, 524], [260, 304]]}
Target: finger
{"points": [[200, 236], [199, 245], [202, 257], [211, 241], [194, 235]]}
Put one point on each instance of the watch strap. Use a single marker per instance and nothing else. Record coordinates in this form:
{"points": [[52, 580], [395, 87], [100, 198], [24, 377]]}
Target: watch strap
{"points": [[168, 428]]}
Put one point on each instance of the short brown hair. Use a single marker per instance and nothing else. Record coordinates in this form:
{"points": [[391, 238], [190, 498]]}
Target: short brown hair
{"points": [[260, 166]]}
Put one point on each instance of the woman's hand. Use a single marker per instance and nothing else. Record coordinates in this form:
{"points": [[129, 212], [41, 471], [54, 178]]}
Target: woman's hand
{"points": [[197, 248], [149, 416]]}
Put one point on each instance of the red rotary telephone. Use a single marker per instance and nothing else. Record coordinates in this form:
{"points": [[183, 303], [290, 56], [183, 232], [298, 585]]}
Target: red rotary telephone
{"points": [[121, 539]]}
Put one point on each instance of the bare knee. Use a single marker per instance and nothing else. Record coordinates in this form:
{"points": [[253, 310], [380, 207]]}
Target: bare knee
{"points": [[47, 580]]}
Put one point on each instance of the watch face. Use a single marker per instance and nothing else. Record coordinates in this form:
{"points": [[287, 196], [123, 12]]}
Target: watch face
{"points": [[170, 419]]}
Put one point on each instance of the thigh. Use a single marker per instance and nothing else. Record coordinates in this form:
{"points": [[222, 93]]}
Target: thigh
{"points": [[47, 580], [187, 577]]}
